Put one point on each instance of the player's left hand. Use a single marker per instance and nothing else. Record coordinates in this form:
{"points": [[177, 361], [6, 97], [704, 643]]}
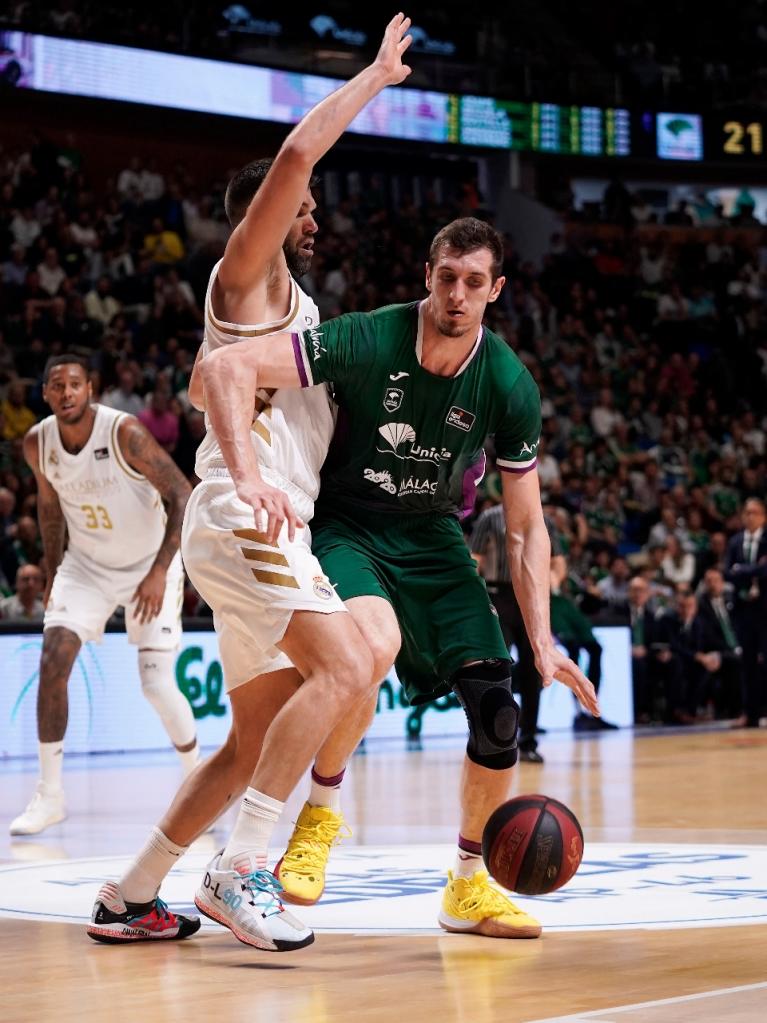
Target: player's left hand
{"points": [[149, 594], [554, 665], [395, 42]]}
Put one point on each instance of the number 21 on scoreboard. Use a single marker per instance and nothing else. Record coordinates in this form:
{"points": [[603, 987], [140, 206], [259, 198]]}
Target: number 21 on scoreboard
{"points": [[743, 138]]}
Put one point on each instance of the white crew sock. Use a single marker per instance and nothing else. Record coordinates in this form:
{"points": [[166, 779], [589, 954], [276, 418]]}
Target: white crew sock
{"points": [[248, 847], [468, 858], [51, 756], [141, 881], [326, 791]]}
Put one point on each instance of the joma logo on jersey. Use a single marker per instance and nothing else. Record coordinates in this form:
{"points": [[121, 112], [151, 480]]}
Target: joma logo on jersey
{"points": [[316, 338], [460, 418]]}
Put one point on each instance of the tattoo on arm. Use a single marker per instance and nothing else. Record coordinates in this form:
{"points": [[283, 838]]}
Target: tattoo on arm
{"points": [[144, 455], [50, 516], [53, 529]]}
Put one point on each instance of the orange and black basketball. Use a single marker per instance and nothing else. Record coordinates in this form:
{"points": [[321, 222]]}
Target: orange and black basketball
{"points": [[532, 845]]}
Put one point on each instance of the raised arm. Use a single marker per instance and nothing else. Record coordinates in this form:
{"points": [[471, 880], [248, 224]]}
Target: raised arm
{"points": [[529, 551], [259, 237], [50, 517], [143, 454]]}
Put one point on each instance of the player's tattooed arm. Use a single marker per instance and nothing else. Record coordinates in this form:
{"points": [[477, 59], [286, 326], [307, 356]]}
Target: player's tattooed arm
{"points": [[143, 454], [50, 516]]}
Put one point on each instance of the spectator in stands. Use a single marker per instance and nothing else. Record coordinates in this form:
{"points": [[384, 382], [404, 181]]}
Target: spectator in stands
{"points": [[7, 505], [100, 303], [26, 604], [162, 245], [161, 420], [23, 548], [17, 416], [50, 272], [124, 397], [604, 416], [613, 589], [678, 565]]}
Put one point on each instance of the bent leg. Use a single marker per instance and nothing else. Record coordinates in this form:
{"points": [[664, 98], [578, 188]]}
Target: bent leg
{"points": [[60, 649], [377, 622], [213, 785]]}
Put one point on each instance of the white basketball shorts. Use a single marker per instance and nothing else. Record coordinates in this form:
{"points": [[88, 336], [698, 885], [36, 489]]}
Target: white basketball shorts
{"points": [[85, 595], [251, 586]]}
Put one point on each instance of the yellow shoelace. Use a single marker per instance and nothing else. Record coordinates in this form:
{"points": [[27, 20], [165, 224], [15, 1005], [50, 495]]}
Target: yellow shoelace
{"points": [[488, 900], [310, 844]]}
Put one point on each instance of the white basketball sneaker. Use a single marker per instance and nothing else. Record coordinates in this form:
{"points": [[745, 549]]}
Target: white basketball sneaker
{"points": [[249, 905], [44, 809]]}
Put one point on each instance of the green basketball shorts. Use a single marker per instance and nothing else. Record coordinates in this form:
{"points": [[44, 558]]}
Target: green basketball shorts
{"points": [[421, 565]]}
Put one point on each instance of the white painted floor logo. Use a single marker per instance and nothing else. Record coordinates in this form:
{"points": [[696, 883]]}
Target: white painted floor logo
{"points": [[395, 889]]}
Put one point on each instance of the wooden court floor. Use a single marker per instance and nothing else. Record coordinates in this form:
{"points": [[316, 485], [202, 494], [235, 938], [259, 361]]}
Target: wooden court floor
{"points": [[647, 792]]}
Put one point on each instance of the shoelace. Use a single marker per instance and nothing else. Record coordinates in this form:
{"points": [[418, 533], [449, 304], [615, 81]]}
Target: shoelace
{"points": [[260, 883], [488, 900], [309, 846]]}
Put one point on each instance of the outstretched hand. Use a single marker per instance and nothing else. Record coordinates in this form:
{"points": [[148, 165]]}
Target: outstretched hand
{"points": [[271, 509], [395, 42], [555, 665]]}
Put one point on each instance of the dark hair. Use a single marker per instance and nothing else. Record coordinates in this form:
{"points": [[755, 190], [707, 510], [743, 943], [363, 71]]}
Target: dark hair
{"points": [[64, 360], [244, 185], [467, 235]]}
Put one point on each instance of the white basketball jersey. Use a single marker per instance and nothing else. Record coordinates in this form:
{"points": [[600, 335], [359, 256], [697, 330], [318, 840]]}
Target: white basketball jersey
{"points": [[114, 516], [291, 429]]}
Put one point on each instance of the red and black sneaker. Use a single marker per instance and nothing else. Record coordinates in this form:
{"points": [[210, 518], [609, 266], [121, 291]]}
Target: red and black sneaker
{"points": [[116, 921]]}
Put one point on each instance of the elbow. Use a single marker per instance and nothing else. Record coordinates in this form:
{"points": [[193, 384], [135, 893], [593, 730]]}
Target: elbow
{"points": [[296, 155]]}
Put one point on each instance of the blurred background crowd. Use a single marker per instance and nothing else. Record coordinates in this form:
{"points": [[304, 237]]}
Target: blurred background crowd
{"points": [[649, 348]]}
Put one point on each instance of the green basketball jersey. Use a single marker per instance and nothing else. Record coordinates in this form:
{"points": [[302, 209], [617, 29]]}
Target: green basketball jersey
{"points": [[410, 441]]}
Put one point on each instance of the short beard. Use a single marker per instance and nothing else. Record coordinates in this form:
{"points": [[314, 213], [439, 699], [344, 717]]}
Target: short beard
{"points": [[297, 265], [448, 328]]}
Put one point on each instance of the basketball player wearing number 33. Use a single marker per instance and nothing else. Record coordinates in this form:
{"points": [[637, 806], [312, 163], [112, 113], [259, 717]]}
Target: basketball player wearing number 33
{"points": [[108, 489]]}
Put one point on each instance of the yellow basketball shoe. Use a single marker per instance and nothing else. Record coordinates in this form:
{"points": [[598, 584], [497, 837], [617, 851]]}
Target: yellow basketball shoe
{"points": [[472, 905], [301, 871]]}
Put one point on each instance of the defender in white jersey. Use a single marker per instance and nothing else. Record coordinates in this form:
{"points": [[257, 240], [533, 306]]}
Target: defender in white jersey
{"points": [[246, 548], [102, 480], [254, 584]]}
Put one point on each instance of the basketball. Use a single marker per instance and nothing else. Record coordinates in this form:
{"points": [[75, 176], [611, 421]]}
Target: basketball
{"points": [[532, 845]]}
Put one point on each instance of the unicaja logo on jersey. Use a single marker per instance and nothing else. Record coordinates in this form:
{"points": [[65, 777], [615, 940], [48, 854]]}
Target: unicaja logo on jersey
{"points": [[397, 433]]}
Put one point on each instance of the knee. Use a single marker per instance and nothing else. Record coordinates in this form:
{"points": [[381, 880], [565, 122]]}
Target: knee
{"points": [[484, 691], [383, 652], [60, 647], [347, 676]]}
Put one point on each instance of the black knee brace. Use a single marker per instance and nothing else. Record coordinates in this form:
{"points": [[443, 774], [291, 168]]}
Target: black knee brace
{"points": [[484, 692]]}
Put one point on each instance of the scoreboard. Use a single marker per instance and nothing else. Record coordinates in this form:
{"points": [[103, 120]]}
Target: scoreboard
{"points": [[539, 127], [736, 137]]}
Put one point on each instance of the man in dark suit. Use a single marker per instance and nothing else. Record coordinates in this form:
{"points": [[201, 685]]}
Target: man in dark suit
{"points": [[746, 569], [720, 653], [642, 622], [674, 651]]}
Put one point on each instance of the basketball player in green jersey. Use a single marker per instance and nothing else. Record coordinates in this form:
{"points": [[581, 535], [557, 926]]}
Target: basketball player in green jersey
{"points": [[419, 388]]}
